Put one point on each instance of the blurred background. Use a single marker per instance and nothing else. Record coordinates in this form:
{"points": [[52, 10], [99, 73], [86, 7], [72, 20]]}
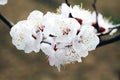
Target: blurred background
{"points": [[101, 64]]}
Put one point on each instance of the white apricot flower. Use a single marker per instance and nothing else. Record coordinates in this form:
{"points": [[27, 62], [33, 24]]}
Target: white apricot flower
{"points": [[104, 24], [66, 55], [89, 37], [59, 31], [26, 35], [86, 17], [81, 15], [60, 56], [59, 27], [3, 2], [85, 41], [64, 40]]}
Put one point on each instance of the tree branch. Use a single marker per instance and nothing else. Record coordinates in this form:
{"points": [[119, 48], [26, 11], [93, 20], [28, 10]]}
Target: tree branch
{"points": [[110, 30], [6, 21], [108, 41]]}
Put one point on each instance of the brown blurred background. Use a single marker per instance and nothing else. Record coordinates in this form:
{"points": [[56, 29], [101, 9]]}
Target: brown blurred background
{"points": [[101, 64]]}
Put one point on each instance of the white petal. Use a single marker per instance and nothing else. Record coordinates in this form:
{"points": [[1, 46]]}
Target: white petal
{"points": [[64, 10], [52, 24], [3, 2], [66, 56], [82, 14], [113, 31], [89, 37], [79, 47], [35, 17], [47, 49]]}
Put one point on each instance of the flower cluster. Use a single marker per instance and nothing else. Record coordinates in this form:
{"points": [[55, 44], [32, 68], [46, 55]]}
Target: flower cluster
{"points": [[86, 17], [62, 38], [3, 2]]}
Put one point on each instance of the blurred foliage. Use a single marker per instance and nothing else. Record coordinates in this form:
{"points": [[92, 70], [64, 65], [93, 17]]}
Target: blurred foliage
{"points": [[101, 64]]}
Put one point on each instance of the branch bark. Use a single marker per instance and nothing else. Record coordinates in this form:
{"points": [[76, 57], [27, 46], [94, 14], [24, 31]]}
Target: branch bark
{"points": [[6, 21], [108, 41]]}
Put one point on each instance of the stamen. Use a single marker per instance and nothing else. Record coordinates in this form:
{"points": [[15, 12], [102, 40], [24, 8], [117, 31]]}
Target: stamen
{"points": [[55, 47], [68, 46], [52, 35], [37, 31], [42, 28], [66, 31], [78, 31], [34, 37]]}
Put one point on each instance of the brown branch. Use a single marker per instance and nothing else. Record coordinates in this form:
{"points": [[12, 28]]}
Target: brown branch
{"points": [[108, 41], [6, 21]]}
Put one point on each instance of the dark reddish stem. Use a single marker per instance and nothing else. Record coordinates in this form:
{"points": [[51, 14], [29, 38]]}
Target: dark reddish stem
{"points": [[95, 8]]}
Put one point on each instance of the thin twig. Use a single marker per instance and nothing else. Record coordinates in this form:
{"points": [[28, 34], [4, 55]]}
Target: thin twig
{"points": [[66, 1], [108, 41], [110, 30], [6, 21], [95, 9], [70, 15]]}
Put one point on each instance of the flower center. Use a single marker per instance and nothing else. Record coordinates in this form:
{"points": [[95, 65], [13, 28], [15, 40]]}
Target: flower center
{"points": [[42, 28], [66, 31]]}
